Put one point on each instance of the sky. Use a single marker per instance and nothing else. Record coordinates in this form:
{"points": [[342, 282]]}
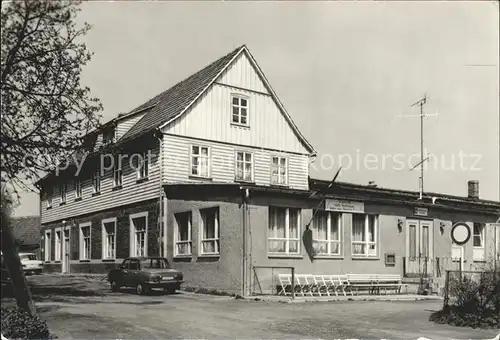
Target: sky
{"points": [[345, 71]]}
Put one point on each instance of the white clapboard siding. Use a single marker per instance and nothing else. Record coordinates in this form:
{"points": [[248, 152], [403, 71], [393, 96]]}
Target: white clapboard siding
{"points": [[126, 123], [131, 192], [177, 162], [242, 74], [211, 116]]}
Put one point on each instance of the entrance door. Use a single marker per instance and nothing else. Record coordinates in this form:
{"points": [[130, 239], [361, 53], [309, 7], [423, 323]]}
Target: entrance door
{"points": [[419, 257], [66, 251]]}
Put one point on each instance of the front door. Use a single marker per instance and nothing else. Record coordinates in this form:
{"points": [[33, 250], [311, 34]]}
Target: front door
{"points": [[418, 248], [66, 251]]}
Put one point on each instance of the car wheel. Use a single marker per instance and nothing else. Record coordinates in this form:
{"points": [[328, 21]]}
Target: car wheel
{"points": [[114, 286], [141, 289]]}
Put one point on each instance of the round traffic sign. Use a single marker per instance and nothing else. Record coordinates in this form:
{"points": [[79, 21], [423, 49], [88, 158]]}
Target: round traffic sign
{"points": [[460, 233]]}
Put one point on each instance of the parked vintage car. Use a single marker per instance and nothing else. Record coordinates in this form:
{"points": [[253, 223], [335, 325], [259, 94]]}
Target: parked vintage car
{"points": [[144, 274], [30, 263]]}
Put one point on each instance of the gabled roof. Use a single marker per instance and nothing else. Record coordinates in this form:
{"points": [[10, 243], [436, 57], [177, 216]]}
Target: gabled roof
{"points": [[178, 98], [175, 101], [26, 229]]}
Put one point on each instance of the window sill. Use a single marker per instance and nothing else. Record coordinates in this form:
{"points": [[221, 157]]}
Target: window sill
{"points": [[96, 194], [108, 260], [46, 261], [117, 187], [329, 257], [62, 203], [57, 261], [373, 258], [237, 180], [84, 261], [48, 208], [479, 260], [184, 256], [286, 256], [78, 199], [239, 125], [200, 178], [142, 180], [208, 255]]}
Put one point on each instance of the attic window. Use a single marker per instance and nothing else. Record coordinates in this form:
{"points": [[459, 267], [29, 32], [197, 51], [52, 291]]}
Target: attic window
{"points": [[239, 106], [108, 137]]}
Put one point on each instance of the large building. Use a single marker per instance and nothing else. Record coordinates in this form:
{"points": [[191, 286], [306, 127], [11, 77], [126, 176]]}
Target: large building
{"points": [[215, 177]]}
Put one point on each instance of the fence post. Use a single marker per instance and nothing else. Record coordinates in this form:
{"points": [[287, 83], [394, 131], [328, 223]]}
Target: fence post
{"points": [[446, 288], [293, 282]]}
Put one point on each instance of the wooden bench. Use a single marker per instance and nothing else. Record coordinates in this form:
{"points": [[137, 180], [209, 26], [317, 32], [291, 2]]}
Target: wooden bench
{"points": [[361, 282], [374, 282], [388, 281]]}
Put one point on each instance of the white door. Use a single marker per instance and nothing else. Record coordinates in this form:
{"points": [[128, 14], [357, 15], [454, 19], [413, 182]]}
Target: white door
{"points": [[419, 257]]}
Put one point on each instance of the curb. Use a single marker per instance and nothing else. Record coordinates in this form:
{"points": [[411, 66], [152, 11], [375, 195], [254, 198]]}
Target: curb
{"points": [[342, 299]]}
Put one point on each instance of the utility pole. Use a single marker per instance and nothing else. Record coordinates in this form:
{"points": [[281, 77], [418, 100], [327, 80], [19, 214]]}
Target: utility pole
{"points": [[421, 103]]}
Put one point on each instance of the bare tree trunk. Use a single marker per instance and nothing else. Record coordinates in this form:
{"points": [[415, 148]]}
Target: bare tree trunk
{"points": [[14, 267]]}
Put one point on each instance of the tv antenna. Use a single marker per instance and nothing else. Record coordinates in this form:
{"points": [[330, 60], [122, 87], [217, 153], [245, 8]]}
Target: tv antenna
{"points": [[422, 115]]}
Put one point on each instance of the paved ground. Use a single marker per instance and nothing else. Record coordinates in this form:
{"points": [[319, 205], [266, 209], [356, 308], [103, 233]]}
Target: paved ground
{"points": [[83, 308]]}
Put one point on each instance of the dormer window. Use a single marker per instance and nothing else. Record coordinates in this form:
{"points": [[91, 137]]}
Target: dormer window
{"points": [[63, 191], [49, 197], [239, 110], [108, 136]]}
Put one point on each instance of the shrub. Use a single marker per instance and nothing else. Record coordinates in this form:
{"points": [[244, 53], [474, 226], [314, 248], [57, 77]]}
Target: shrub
{"points": [[17, 324], [474, 300]]}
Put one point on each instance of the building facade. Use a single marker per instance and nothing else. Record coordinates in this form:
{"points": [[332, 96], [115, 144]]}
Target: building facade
{"points": [[214, 175]]}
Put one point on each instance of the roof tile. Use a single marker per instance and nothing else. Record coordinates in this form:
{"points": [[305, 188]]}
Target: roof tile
{"points": [[173, 101]]}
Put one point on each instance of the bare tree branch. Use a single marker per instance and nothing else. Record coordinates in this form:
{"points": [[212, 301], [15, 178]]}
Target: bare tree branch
{"points": [[45, 111]]}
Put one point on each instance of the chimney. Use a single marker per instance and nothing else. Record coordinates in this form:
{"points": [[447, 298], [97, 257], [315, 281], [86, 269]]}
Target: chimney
{"points": [[473, 189]]}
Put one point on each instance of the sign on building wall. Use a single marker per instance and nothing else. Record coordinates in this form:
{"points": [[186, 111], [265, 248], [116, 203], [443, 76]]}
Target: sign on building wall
{"points": [[344, 206], [418, 211]]}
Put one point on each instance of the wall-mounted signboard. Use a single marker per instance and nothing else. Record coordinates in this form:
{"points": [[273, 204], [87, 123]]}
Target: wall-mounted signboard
{"points": [[419, 211], [344, 206]]}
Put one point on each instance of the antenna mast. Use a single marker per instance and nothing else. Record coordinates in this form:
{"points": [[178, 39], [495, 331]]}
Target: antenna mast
{"points": [[421, 103]]}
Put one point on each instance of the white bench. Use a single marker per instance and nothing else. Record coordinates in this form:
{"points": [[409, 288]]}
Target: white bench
{"points": [[374, 282], [388, 281], [361, 282]]}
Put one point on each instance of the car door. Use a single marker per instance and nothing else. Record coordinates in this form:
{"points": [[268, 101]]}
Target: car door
{"points": [[134, 272], [125, 273]]}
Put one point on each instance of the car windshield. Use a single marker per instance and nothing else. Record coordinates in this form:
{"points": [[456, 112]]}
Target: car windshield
{"points": [[28, 257], [156, 263]]}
